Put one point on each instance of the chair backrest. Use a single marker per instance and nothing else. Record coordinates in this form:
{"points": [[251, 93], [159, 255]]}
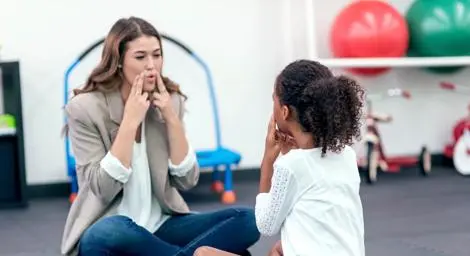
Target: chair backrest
{"points": [[210, 83], [68, 72]]}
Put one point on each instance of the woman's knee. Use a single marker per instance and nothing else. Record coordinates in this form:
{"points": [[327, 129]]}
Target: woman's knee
{"points": [[105, 233], [248, 229]]}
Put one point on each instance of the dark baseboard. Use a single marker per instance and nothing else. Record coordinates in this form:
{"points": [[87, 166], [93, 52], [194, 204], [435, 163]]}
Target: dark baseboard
{"points": [[63, 189], [52, 190], [441, 160]]}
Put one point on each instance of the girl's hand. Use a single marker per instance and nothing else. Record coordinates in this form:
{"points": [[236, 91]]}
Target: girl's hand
{"points": [[271, 147], [277, 142], [286, 142], [137, 103], [162, 100]]}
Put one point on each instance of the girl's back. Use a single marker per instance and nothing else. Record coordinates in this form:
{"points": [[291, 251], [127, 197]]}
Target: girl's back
{"points": [[325, 216], [311, 193]]}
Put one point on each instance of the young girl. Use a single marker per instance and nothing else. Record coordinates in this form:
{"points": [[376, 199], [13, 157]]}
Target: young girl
{"points": [[309, 185]]}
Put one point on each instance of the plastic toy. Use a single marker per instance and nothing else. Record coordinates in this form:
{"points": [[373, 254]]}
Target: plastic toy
{"points": [[439, 28], [375, 159], [369, 29], [458, 130], [7, 124], [462, 153], [7, 121], [459, 149], [215, 158]]}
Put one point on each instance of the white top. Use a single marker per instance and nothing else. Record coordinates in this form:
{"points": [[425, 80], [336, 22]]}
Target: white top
{"points": [[138, 202], [315, 203]]}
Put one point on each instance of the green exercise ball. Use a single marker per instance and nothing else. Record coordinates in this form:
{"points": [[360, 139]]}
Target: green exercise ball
{"points": [[439, 28]]}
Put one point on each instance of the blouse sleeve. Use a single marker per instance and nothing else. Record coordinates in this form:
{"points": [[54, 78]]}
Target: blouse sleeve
{"points": [[272, 208], [113, 166], [185, 166]]}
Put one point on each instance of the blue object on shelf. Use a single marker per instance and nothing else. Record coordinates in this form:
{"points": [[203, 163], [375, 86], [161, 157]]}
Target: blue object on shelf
{"points": [[215, 158]]}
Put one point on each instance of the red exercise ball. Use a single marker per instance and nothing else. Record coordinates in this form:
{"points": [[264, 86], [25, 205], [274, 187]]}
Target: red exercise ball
{"points": [[369, 28]]}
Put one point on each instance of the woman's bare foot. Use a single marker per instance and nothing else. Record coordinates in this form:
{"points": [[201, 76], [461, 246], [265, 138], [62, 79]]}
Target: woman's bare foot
{"points": [[276, 250], [210, 251]]}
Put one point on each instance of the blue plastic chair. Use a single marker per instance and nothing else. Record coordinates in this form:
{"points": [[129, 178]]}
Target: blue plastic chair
{"points": [[217, 158]]}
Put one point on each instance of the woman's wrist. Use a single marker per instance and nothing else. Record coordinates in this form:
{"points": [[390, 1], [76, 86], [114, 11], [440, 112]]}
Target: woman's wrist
{"points": [[172, 118], [129, 125]]}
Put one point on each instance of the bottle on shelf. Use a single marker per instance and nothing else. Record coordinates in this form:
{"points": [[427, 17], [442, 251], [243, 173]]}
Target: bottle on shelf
{"points": [[7, 124]]}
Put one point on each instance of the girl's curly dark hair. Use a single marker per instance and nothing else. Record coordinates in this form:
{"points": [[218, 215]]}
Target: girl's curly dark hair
{"points": [[327, 106]]}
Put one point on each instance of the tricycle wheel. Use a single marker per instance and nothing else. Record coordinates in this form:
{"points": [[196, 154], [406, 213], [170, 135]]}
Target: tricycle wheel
{"points": [[425, 163], [372, 163]]}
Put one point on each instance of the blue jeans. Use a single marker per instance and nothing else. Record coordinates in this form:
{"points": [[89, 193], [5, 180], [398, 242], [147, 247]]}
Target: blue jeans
{"points": [[233, 230]]}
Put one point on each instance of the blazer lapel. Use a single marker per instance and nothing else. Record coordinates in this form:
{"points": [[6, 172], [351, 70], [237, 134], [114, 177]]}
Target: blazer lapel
{"points": [[116, 111]]}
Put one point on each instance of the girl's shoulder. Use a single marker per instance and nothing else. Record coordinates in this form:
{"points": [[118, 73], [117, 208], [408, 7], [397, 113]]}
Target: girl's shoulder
{"points": [[296, 159], [295, 155], [304, 159]]}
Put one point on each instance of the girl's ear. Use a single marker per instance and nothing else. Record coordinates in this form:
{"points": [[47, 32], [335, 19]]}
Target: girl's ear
{"points": [[285, 112]]}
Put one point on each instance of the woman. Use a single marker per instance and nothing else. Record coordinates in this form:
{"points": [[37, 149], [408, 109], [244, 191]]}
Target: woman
{"points": [[132, 155]]}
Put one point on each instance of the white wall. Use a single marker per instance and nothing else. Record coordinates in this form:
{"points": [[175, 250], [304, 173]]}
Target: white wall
{"points": [[243, 53], [425, 119]]}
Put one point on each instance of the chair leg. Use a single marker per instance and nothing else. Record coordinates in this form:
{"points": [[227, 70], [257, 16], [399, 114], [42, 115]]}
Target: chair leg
{"points": [[217, 185], [74, 188], [228, 197]]}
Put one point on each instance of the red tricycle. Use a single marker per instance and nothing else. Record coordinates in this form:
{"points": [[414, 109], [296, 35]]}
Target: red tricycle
{"points": [[459, 149], [375, 159]]}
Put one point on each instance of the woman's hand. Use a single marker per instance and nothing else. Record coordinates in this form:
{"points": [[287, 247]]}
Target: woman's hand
{"points": [[137, 103], [162, 100]]}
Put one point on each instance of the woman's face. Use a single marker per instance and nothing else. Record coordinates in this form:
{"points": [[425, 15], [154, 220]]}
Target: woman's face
{"points": [[143, 54]]}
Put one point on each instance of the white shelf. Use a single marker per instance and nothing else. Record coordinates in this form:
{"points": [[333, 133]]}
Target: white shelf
{"points": [[7, 131], [394, 62]]}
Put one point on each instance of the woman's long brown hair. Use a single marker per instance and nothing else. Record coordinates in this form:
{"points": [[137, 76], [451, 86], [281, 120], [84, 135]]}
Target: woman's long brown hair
{"points": [[107, 76]]}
